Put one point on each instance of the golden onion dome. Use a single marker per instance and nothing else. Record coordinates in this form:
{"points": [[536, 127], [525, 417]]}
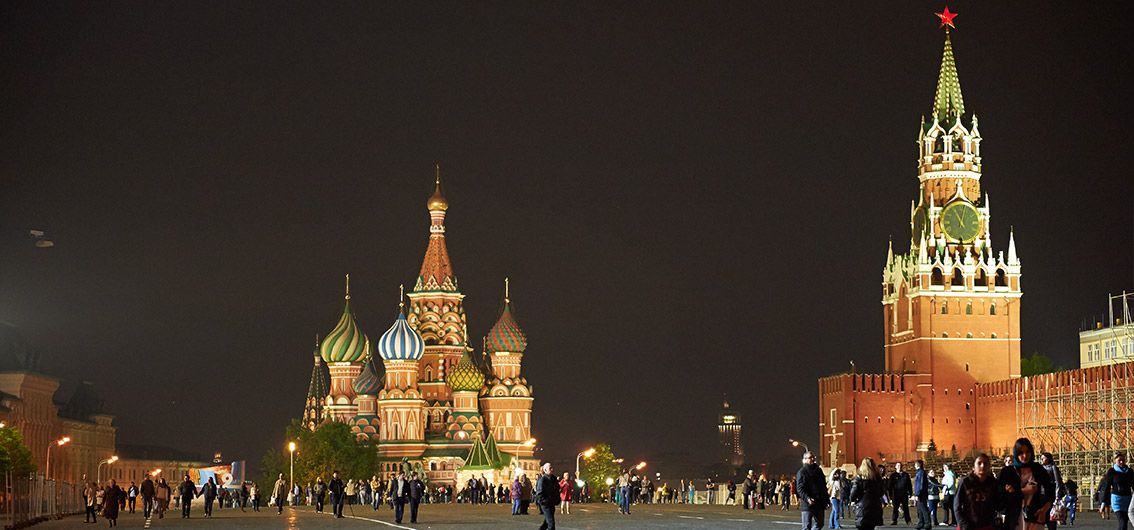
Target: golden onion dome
{"points": [[437, 201]]}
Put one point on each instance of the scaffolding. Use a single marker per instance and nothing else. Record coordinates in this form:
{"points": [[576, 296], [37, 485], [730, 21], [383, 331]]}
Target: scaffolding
{"points": [[1083, 416]]}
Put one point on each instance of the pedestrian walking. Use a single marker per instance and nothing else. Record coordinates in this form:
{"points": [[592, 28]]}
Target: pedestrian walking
{"points": [[320, 492], [186, 491], [338, 494], [375, 492], [90, 495], [111, 502], [525, 493], [731, 488], [1071, 501], [1057, 489], [899, 489], [934, 495], [548, 498], [416, 492], [399, 494], [1115, 490], [812, 491], [162, 494], [977, 498], [1027, 499], [516, 494], [254, 494], [209, 492], [624, 492], [279, 493], [132, 496], [866, 493], [147, 492]]}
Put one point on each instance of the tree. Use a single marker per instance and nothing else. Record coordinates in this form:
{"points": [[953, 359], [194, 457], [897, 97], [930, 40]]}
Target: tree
{"points": [[329, 447], [599, 467], [15, 457], [1037, 364]]}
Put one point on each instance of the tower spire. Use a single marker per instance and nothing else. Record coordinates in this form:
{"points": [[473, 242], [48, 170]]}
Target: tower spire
{"points": [[947, 102], [348, 286]]}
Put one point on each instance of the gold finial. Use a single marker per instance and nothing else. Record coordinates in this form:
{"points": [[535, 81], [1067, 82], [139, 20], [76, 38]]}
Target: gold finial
{"points": [[437, 200], [348, 286], [401, 297], [506, 290]]}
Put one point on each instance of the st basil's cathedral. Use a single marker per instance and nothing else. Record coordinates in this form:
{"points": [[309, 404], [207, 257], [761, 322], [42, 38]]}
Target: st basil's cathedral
{"points": [[427, 398]]}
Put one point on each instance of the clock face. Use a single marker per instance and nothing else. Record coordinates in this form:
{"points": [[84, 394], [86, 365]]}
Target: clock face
{"points": [[961, 221], [918, 223]]}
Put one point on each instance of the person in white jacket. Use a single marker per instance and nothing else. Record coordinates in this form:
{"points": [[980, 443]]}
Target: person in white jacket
{"points": [[948, 490]]}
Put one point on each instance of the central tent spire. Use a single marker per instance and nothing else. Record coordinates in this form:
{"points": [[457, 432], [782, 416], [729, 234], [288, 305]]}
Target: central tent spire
{"points": [[947, 102]]}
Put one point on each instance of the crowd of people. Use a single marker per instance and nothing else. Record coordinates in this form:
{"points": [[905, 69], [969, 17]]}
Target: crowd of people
{"points": [[1028, 493]]}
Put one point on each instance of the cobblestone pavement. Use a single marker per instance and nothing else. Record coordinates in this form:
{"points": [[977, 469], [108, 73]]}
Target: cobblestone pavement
{"points": [[497, 517]]}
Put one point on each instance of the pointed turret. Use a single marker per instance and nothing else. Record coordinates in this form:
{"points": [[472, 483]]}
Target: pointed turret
{"points": [[436, 270], [948, 105], [1013, 259], [317, 390], [506, 335]]}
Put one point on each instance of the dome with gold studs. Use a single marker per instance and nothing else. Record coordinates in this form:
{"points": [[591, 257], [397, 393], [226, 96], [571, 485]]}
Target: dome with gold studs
{"points": [[465, 377]]}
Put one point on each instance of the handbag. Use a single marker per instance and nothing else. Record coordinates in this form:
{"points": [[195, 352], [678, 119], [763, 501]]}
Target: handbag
{"points": [[1058, 512]]}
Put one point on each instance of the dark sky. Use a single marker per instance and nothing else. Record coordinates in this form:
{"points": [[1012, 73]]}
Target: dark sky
{"points": [[690, 198]]}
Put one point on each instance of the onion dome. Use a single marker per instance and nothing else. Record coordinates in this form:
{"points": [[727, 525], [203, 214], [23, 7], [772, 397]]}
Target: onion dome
{"points": [[437, 202], [506, 334], [345, 343], [401, 342], [465, 377], [369, 381]]}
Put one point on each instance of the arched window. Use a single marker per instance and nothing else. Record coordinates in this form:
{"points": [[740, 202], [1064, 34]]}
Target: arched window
{"points": [[966, 367], [981, 278], [891, 419], [1001, 278], [969, 335], [969, 308], [944, 334], [992, 308], [958, 278], [945, 307], [936, 277]]}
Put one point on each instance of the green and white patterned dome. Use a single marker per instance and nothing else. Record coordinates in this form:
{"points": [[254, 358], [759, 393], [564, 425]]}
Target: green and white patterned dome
{"points": [[346, 343]]}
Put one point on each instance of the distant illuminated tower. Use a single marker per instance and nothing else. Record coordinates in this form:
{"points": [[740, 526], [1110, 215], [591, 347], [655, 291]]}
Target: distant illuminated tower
{"points": [[729, 427]]}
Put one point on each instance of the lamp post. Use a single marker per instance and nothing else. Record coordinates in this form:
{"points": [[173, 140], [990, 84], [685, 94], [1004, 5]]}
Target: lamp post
{"points": [[60, 442], [98, 472], [588, 453], [640, 466], [291, 449], [797, 443]]}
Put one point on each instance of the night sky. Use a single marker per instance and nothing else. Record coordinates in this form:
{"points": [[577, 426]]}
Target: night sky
{"points": [[690, 199]]}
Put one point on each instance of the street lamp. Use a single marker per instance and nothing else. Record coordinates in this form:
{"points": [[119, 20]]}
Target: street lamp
{"points": [[797, 443], [640, 466], [60, 442], [98, 473], [585, 454], [155, 472], [291, 449]]}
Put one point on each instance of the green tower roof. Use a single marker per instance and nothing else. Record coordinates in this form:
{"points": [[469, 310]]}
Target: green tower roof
{"points": [[947, 102]]}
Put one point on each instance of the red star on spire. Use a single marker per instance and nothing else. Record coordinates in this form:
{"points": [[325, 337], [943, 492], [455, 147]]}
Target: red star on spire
{"points": [[947, 18]]}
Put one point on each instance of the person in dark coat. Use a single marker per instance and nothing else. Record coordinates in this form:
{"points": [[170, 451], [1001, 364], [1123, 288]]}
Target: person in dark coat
{"points": [[1115, 490], [148, 491], [320, 491], [921, 495], [748, 488], [209, 492], [338, 494], [811, 488], [899, 489], [548, 498], [111, 501], [399, 495], [187, 490], [866, 493], [977, 498], [1025, 485], [416, 492]]}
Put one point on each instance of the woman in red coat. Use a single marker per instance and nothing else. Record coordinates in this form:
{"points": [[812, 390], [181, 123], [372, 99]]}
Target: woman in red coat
{"points": [[566, 488]]}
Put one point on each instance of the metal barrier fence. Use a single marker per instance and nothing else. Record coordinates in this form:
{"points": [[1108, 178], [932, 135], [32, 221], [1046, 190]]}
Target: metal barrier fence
{"points": [[27, 499]]}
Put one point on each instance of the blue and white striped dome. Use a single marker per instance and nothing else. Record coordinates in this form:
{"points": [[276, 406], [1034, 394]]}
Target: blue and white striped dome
{"points": [[401, 342]]}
